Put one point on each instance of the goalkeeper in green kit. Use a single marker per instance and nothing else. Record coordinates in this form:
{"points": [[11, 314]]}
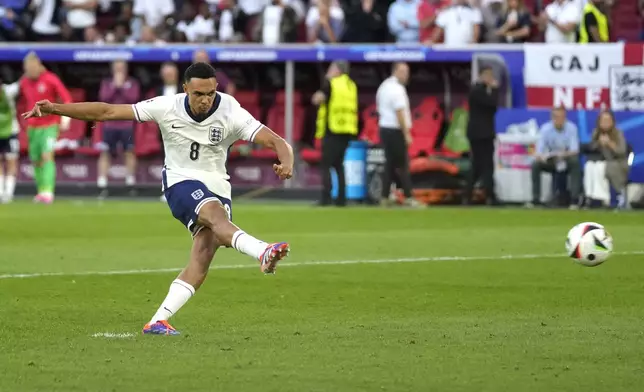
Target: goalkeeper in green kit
{"points": [[9, 145], [36, 85]]}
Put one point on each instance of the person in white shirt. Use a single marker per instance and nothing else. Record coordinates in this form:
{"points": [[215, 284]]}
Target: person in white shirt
{"points": [[460, 24], [46, 24], [277, 24], [560, 20], [394, 120], [9, 144], [81, 14], [201, 28], [198, 127], [153, 12], [325, 22]]}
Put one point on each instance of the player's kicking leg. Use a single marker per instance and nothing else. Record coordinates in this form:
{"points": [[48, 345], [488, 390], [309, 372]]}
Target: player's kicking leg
{"points": [[213, 230]]}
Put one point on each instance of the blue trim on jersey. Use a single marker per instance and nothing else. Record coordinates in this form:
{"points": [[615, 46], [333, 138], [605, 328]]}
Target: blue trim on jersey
{"points": [[213, 109]]}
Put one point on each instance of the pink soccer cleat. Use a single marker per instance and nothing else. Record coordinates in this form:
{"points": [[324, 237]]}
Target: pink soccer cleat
{"points": [[43, 198], [272, 255]]}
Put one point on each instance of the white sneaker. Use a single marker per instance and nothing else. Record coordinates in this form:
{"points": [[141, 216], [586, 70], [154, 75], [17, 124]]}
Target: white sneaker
{"points": [[413, 203]]}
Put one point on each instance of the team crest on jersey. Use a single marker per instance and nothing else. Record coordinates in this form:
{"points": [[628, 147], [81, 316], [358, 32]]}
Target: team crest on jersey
{"points": [[198, 194], [216, 135]]}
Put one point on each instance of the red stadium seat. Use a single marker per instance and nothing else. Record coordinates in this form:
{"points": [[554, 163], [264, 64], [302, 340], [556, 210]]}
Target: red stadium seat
{"points": [[276, 121], [146, 139], [427, 121], [249, 100], [370, 132]]}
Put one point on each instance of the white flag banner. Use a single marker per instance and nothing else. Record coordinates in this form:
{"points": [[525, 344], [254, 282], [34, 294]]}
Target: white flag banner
{"points": [[627, 88]]}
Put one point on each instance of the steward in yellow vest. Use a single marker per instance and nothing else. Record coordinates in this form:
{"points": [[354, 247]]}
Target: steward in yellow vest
{"points": [[337, 125], [594, 24]]}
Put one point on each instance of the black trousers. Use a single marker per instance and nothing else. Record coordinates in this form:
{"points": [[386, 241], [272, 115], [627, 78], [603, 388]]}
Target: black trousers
{"points": [[482, 155], [333, 149], [397, 161]]}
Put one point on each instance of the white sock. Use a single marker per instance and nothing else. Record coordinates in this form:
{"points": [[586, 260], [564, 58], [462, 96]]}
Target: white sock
{"points": [[130, 180], [9, 186], [1, 186], [102, 182], [180, 292], [248, 245]]}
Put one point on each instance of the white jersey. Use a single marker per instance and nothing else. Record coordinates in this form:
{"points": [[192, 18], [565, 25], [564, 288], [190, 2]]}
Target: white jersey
{"points": [[197, 150], [11, 91]]}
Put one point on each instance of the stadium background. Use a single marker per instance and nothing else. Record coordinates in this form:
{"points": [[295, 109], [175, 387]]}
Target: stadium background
{"points": [[276, 83]]}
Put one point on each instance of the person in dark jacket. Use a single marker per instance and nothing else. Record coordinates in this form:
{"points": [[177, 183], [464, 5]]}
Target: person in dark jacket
{"points": [[483, 102]]}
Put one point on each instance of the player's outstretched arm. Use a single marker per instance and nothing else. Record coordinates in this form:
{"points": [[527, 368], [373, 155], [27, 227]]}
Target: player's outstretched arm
{"points": [[269, 139], [86, 111]]}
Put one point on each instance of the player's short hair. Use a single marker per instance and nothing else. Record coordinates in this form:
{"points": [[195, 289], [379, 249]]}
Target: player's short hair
{"points": [[199, 71], [31, 56]]}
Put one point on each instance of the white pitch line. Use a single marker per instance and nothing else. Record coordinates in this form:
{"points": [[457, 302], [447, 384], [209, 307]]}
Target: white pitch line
{"points": [[309, 263], [113, 335]]}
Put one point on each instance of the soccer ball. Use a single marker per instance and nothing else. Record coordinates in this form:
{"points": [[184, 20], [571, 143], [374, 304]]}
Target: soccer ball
{"points": [[589, 244]]}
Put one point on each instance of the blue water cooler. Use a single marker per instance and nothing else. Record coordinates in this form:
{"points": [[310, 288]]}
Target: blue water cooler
{"points": [[355, 172]]}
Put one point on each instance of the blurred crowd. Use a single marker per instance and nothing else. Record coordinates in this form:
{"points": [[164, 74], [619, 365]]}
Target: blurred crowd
{"points": [[452, 22]]}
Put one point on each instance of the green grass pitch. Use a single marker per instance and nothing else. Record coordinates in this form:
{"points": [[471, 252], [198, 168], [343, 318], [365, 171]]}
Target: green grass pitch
{"points": [[369, 300]]}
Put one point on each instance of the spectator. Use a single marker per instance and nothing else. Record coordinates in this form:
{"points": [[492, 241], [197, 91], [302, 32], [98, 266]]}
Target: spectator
{"points": [[46, 23], [229, 22], [251, 10], [607, 162], [325, 22], [460, 24], [119, 89], [119, 35], [428, 11], [92, 35], [557, 152], [402, 20], [491, 13], [149, 36], [299, 7], [81, 14], [278, 23], [483, 102], [223, 82], [594, 24], [201, 28], [13, 20], [133, 22], [153, 12], [514, 27], [363, 22], [560, 20]]}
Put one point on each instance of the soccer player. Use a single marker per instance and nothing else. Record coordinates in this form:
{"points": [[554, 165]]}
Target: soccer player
{"points": [[9, 145], [39, 84], [197, 127]]}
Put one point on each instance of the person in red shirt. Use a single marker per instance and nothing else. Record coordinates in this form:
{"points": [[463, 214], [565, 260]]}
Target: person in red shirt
{"points": [[428, 10], [38, 84]]}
